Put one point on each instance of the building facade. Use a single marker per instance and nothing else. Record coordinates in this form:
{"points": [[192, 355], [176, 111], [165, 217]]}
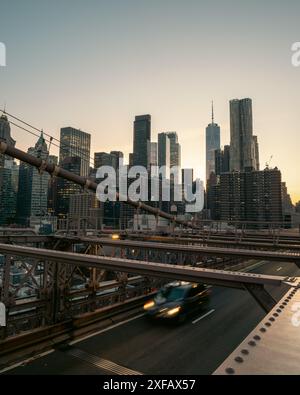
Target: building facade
{"points": [[164, 150], [108, 159], [141, 139], [65, 188], [254, 196], [222, 160], [175, 149], [75, 143], [243, 145], [9, 176], [213, 143], [152, 155], [33, 186]]}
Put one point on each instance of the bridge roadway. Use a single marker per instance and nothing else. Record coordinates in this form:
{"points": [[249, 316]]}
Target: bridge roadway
{"points": [[285, 256], [199, 346]]}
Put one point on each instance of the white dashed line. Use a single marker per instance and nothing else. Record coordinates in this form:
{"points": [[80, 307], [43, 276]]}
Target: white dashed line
{"points": [[203, 316]]}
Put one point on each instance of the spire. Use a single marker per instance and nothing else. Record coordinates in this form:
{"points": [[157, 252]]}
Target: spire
{"points": [[41, 143], [212, 112], [41, 138]]}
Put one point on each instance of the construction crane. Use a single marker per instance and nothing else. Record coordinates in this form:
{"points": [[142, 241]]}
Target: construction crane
{"points": [[269, 162]]}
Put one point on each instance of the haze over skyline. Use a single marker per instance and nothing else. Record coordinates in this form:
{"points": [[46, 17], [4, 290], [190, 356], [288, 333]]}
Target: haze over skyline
{"points": [[94, 65]]}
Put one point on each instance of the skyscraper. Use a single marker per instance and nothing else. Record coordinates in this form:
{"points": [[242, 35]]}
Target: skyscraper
{"points": [[5, 131], [152, 155], [212, 144], [164, 150], [222, 160], [175, 149], [75, 143], [141, 138], [74, 156], [52, 190], [9, 175], [5, 136], [251, 196], [66, 188], [213, 195], [7, 194], [117, 157], [105, 159], [256, 153], [33, 186], [102, 159], [85, 210], [243, 145]]}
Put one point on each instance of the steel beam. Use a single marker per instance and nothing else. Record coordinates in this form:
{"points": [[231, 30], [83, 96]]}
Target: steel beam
{"points": [[215, 241], [32, 239], [24, 239], [273, 347], [262, 296], [194, 249], [176, 272]]}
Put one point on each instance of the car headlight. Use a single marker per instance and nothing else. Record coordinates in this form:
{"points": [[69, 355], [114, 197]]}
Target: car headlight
{"points": [[115, 236], [174, 311], [149, 305]]}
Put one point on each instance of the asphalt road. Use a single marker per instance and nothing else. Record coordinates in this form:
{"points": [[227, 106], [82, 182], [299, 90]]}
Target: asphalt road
{"points": [[198, 346]]}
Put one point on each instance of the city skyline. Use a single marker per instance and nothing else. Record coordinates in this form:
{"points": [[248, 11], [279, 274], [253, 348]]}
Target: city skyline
{"points": [[94, 81], [149, 191], [295, 198]]}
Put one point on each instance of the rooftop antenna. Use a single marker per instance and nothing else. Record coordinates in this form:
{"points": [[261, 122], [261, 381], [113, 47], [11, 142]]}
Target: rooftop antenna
{"points": [[212, 112]]}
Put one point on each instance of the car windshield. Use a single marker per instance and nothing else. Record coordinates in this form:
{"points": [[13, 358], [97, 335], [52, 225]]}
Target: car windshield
{"points": [[171, 294]]}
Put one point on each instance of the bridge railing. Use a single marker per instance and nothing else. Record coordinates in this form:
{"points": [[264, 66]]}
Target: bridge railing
{"points": [[39, 292]]}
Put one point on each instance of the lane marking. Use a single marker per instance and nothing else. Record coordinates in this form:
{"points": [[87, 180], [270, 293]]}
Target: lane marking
{"points": [[106, 329], [26, 361], [38, 356], [101, 363], [203, 316], [278, 270]]}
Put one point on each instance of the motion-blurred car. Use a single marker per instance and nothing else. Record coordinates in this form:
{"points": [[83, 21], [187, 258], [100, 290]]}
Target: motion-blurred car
{"points": [[175, 301]]}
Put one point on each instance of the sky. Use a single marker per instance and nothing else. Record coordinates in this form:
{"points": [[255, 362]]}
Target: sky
{"points": [[95, 64]]}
